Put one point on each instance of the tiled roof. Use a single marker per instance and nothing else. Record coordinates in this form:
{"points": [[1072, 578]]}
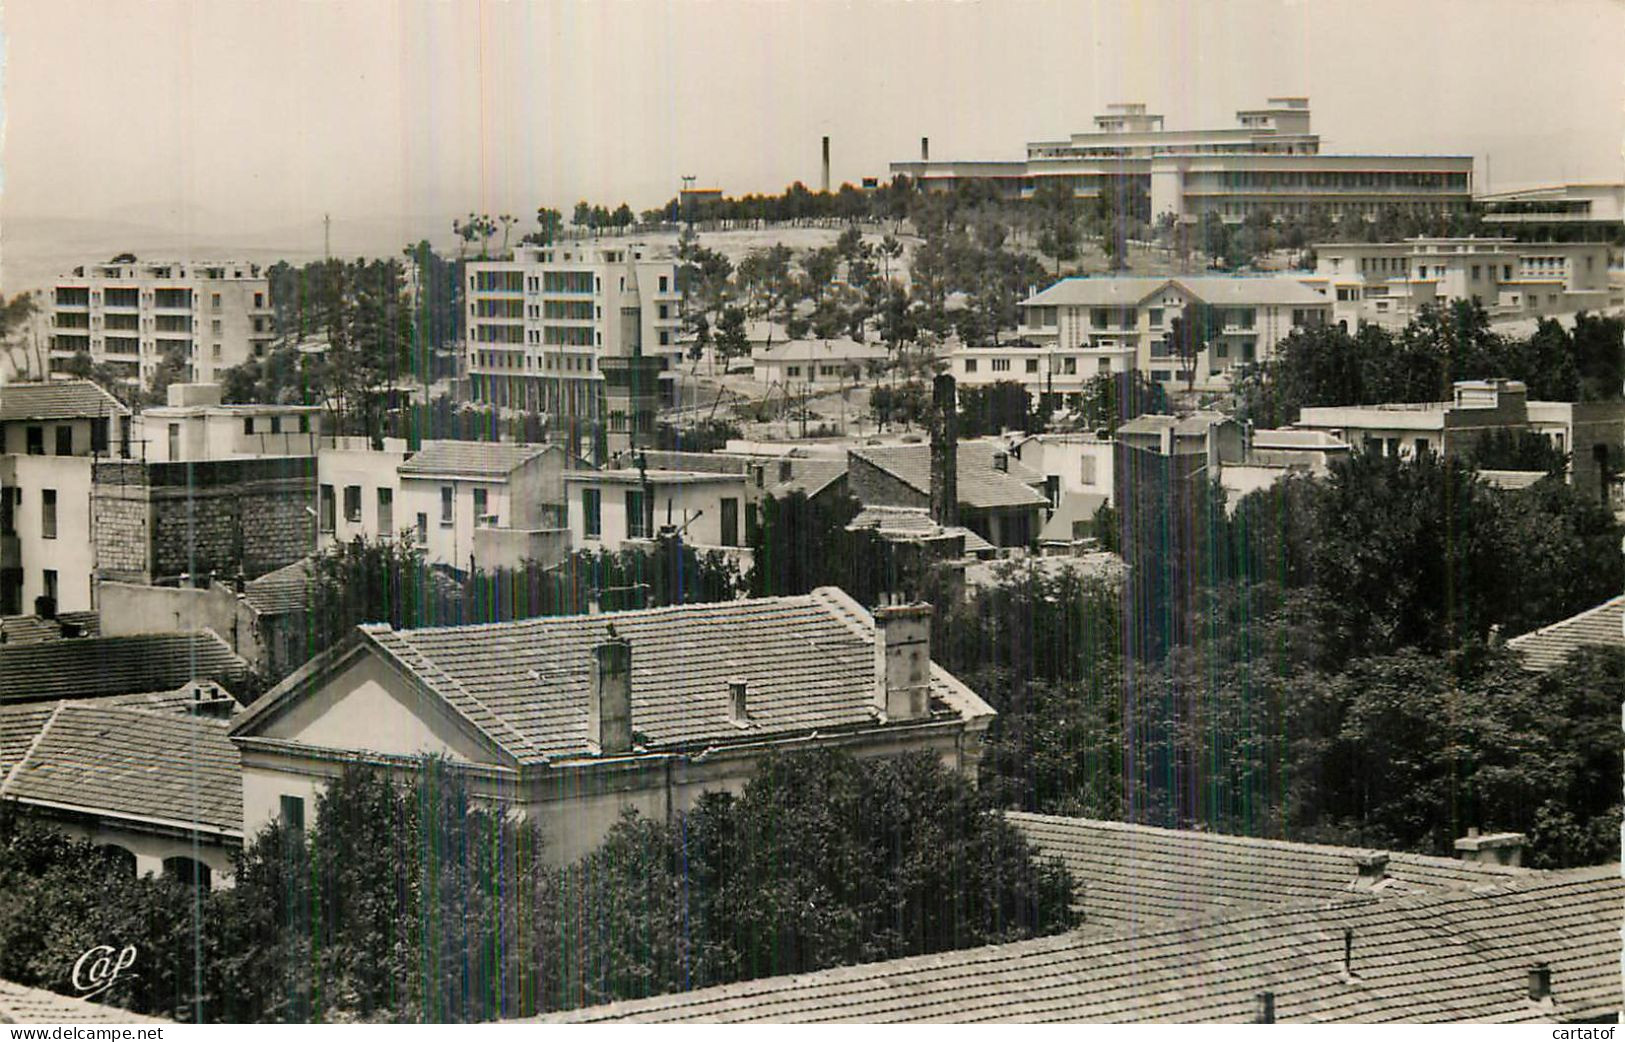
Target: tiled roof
{"points": [[807, 476], [23, 1005], [1129, 291], [915, 521], [1074, 507], [1448, 956], [1106, 292], [1134, 873], [59, 400], [1195, 423], [472, 459], [90, 666], [31, 629], [809, 662], [285, 590], [1547, 647], [128, 762], [838, 350], [980, 485]]}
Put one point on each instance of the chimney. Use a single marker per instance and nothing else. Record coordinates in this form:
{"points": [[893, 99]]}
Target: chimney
{"points": [[1373, 869], [1500, 848], [944, 451], [925, 150], [1165, 440], [1264, 1008], [1001, 462], [738, 702], [903, 661], [1540, 983], [609, 699], [825, 181]]}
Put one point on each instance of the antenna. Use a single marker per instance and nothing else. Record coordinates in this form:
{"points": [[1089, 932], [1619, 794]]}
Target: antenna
{"points": [[327, 237]]}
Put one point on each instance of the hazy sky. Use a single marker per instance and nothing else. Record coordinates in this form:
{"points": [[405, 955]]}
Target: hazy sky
{"points": [[226, 117]]}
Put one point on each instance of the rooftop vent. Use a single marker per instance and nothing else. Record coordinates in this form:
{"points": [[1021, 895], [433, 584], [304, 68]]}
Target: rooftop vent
{"points": [[1540, 983]]}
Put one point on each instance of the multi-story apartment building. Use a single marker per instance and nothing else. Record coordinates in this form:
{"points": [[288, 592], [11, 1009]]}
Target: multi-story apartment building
{"points": [[539, 324], [1387, 283], [51, 435], [1594, 212], [1080, 328], [196, 426], [131, 314], [1268, 162]]}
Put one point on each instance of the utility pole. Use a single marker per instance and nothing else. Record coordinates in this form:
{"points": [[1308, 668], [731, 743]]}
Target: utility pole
{"points": [[327, 237]]}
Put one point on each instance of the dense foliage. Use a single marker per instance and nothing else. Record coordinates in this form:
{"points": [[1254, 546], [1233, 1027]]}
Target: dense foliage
{"points": [[411, 900]]}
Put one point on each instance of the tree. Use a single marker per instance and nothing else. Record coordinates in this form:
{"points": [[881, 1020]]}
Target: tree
{"points": [[1190, 332], [996, 407], [1111, 399], [731, 339], [550, 223], [16, 316]]}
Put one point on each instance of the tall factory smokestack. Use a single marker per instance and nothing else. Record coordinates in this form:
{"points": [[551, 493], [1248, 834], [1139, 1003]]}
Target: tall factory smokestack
{"points": [[826, 163], [925, 150]]}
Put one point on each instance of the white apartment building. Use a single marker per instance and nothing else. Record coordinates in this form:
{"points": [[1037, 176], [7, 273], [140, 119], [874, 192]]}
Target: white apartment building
{"points": [[1593, 210], [539, 324], [1080, 328], [130, 314], [1388, 283], [1268, 162]]}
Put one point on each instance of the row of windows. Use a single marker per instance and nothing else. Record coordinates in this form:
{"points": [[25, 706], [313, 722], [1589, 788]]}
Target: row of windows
{"points": [[275, 426], [327, 508], [62, 438], [639, 523], [131, 297]]}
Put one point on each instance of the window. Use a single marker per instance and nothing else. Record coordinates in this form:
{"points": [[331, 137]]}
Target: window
{"points": [[1393, 447], [304, 424], [248, 425], [730, 521], [325, 509], [1032, 365], [592, 513], [1421, 447], [352, 504], [47, 521], [214, 304], [186, 870], [1156, 317], [423, 529], [1475, 272], [49, 581], [174, 441], [1221, 350], [1001, 365], [36, 441], [445, 504], [637, 517], [98, 435], [663, 285], [1086, 471], [64, 439], [386, 512], [293, 813], [259, 300], [479, 504], [276, 425]]}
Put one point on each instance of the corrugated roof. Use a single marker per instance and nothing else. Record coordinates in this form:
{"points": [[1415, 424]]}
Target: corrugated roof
{"points": [[1547, 647], [1448, 956], [285, 590], [980, 485], [475, 459], [93, 666], [123, 761], [809, 662], [58, 400], [23, 1005], [1135, 873]]}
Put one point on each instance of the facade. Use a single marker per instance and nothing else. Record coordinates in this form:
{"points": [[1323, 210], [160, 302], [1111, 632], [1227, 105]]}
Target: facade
{"points": [[616, 509], [1269, 162], [365, 489], [131, 314], [195, 426], [571, 719], [1593, 212], [994, 496], [1592, 433], [540, 324], [51, 436], [453, 493], [1387, 284], [155, 523], [1081, 328]]}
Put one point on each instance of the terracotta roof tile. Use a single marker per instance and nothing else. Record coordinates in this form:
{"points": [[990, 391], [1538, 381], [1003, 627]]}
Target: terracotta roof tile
{"points": [[980, 485], [22, 1005], [280, 592], [90, 666], [58, 400], [481, 459], [1546, 648], [30, 629]]}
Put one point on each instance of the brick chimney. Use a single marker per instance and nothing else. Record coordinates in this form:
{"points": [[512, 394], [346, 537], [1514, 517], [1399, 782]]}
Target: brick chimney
{"points": [[944, 451], [1372, 866], [609, 697], [1500, 848], [903, 661]]}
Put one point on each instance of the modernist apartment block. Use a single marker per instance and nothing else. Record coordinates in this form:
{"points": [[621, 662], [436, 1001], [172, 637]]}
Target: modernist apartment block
{"points": [[1268, 162], [1593, 212], [1081, 328], [539, 324], [1387, 283], [131, 314]]}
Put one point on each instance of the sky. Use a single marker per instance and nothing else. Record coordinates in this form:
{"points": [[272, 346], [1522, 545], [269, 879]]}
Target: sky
{"points": [[218, 123]]}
